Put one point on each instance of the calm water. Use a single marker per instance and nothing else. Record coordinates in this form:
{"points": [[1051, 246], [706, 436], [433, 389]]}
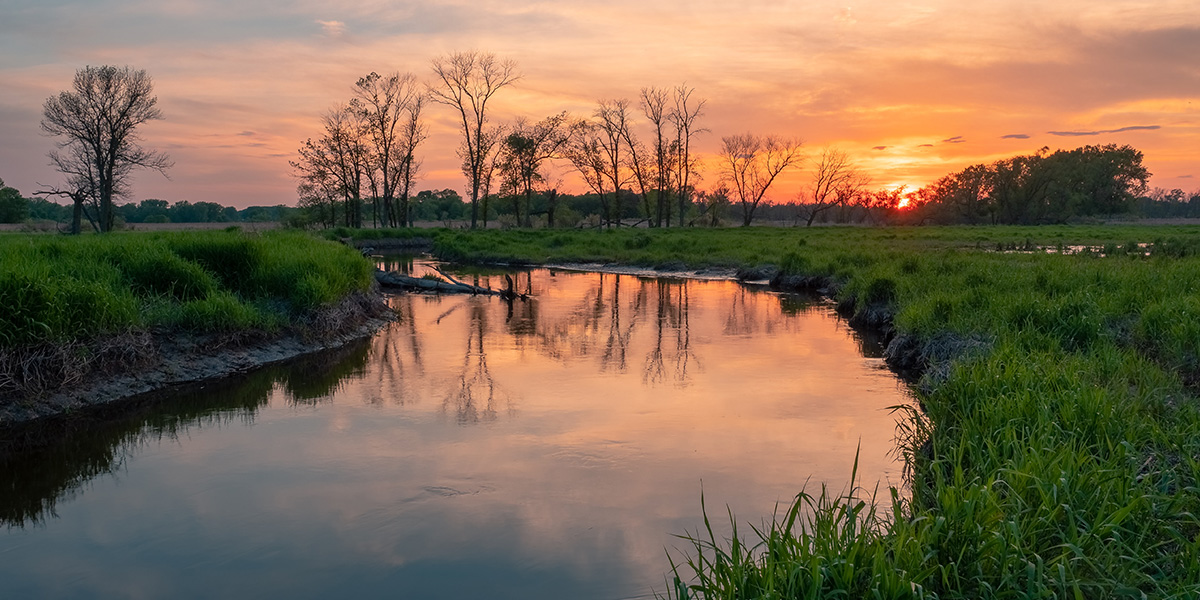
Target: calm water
{"points": [[473, 449]]}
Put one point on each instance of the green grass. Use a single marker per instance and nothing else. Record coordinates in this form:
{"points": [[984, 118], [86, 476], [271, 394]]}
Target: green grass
{"points": [[1058, 455], [59, 289]]}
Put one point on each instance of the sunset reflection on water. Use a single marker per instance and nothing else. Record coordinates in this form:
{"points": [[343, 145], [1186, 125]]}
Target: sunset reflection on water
{"points": [[477, 447]]}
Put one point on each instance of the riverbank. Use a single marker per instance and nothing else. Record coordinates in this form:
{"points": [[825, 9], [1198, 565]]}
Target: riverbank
{"points": [[90, 320], [156, 363], [1058, 454]]}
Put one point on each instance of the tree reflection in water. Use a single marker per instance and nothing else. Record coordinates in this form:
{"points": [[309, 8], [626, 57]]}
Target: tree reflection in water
{"points": [[46, 463], [604, 318], [475, 384], [399, 353]]}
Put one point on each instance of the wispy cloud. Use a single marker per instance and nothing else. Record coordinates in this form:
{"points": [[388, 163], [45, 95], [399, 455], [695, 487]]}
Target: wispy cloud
{"points": [[958, 139], [925, 146], [880, 148], [1015, 136], [1101, 131], [332, 28]]}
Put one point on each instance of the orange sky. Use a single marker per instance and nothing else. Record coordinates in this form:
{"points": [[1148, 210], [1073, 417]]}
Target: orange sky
{"points": [[910, 91]]}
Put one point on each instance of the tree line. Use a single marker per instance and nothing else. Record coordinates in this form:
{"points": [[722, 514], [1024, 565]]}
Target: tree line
{"points": [[343, 174], [1043, 187], [636, 160]]}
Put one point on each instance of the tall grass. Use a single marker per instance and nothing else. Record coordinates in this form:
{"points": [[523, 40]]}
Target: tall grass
{"points": [[1058, 453], [62, 289]]}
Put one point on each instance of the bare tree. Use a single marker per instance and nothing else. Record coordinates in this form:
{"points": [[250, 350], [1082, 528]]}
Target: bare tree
{"points": [[654, 106], [835, 182], [468, 80], [750, 163], [338, 160], [586, 151], [99, 119], [414, 133], [384, 105], [684, 116], [613, 116], [641, 169]]}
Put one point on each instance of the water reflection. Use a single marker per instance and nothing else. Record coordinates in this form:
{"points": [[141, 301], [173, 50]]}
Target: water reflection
{"points": [[473, 448], [44, 464]]}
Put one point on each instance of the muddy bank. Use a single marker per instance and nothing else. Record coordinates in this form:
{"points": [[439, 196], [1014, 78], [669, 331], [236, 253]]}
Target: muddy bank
{"points": [[417, 244], [135, 364]]}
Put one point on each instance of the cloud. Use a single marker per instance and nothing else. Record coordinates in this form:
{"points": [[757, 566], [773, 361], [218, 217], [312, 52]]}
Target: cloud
{"points": [[958, 139], [1015, 136], [1098, 132], [1186, 176], [332, 28], [925, 146], [880, 148]]}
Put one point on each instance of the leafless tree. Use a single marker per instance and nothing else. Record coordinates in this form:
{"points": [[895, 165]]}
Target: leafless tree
{"points": [[835, 182], [385, 107], [338, 160], [99, 118], [750, 163], [586, 152], [414, 133], [613, 121], [684, 116], [467, 81], [654, 105]]}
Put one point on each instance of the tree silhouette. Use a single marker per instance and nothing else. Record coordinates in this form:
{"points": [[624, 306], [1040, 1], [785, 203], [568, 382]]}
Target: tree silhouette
{"points": [[99, 118]]}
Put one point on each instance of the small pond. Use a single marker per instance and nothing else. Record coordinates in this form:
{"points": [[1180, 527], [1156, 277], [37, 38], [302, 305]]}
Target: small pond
{"points": [[474, 448]]}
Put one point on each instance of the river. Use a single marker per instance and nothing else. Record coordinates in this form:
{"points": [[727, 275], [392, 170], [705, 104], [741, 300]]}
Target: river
{"points": [[475, 448]]}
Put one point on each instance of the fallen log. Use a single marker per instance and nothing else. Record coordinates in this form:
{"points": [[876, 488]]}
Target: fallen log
{"points": [[396, 280]]}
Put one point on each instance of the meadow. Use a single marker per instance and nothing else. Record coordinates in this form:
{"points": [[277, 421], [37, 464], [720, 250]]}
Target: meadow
{"points": [[63, 294], [1055, 454], [1057, 450]]}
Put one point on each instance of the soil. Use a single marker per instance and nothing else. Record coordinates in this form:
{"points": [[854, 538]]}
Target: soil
{"points": [[181, 360]]}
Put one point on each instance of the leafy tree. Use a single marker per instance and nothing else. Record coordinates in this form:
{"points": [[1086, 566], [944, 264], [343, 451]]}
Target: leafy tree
{"points": [[13, 207], [99, 120], [523, 153], [443, 205]]}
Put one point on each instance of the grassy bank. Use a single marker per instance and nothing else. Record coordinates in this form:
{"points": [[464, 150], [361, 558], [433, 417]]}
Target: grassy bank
{"points": [[1058, 455], [66, 292]]}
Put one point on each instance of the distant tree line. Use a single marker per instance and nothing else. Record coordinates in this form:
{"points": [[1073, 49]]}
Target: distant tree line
{"points": [[635, 159], [1044, 187]]}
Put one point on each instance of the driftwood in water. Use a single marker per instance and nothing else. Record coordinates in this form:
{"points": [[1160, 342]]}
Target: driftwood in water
{"points": [[396, 280], [453, 286]]}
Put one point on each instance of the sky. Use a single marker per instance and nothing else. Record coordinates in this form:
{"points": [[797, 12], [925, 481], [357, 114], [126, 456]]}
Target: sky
{"points": [[910, 91]]}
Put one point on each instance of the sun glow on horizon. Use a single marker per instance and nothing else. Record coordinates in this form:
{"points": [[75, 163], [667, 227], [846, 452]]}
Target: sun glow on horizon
{"points": [[907, 108]]}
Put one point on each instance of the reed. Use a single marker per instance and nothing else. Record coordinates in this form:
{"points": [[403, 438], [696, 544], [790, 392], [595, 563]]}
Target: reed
{"points": [[1058, 452]]}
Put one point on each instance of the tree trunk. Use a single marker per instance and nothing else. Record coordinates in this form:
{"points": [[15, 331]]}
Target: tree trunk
{"points": [[77, 216]]}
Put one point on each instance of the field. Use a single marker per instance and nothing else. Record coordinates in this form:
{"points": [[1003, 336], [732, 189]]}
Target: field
{"points": [[71, 298], [1056, 455], [1058, 452]]}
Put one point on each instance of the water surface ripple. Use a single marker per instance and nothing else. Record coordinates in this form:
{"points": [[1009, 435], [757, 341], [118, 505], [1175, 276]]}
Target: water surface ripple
{"points": [[472, 449]]}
